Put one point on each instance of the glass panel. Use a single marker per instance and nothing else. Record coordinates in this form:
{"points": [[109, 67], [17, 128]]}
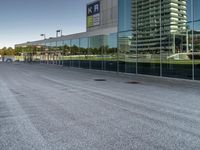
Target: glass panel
{"points": [[177, 60], [40, 52], [59, 57], [67, 42], [84, 52], [196, 10], [177, 42], [48, 44], [124, 15], [146, 21], [52, 49], [189, 9], [75, 52], [55, 50], [66, 52], [84, 42], [46, 56], [96, 44], [59, 43], [112, 40], [127, 55], [110, 56], [196, 39], [197, 50], [75, 42], [127, 52], [53, 44]]}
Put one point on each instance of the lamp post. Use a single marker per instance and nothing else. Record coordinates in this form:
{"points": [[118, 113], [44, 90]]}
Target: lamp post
{"points": [[43, 35], [58, 31]]}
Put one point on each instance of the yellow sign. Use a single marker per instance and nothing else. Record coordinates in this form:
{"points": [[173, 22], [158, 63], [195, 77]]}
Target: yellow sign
{"points": [[90, 21]]}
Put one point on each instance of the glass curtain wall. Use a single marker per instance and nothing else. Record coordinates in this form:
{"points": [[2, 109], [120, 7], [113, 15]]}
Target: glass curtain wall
{"points": [[155, 37], [96, 52], [196, 38], [163, 38]]}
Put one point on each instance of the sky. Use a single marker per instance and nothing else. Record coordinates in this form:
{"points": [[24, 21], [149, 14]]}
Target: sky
{"points": [[25, 20]]}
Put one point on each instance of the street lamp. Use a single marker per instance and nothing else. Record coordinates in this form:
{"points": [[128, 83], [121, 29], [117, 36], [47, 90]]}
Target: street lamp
{"points": [[58, 31], [43, 35]]}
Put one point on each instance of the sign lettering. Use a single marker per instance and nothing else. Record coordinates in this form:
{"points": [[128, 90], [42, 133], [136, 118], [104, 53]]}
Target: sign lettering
{"points": [[93, 14]]}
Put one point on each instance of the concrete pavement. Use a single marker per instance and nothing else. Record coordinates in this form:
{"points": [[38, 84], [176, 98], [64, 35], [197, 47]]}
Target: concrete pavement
{"points": [[53, 108]]}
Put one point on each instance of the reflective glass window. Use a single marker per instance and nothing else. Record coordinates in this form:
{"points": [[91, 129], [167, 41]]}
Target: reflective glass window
{"points": [[84, 42], [196, 10], [124, 15], [112, 40], [127, 55], [59, 43], [177, 42], [67, 53], [75, 42], [197, 50], [75, 53], [84, 53], [110, 53], [96, 44], [67, 42]]}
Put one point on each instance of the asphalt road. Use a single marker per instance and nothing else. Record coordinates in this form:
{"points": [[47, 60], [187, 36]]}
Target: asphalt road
{"points": [[52, 108]]}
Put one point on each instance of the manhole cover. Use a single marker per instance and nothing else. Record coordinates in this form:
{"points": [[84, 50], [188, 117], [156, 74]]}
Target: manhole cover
{"points": [[132, 82], [99, 79]]}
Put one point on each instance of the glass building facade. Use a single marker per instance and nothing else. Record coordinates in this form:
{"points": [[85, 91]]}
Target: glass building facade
{"points": [[160, 37], [94, 52], [154, 37]]}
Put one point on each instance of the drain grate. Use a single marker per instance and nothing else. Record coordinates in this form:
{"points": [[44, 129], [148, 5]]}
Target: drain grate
{"points": [[99, 79], [133, 82]]}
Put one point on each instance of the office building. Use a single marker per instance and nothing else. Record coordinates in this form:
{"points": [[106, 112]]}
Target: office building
{"points": [[151, 37]]}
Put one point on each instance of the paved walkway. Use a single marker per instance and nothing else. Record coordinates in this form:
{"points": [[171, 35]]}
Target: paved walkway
{"points": [[53, 108]]}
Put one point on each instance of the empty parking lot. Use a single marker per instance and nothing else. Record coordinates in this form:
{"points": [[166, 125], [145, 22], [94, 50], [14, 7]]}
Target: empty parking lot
{"points": [[46, 107]]}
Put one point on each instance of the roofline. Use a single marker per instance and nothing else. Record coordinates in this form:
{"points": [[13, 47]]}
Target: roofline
{"points": [[106, 31]]}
